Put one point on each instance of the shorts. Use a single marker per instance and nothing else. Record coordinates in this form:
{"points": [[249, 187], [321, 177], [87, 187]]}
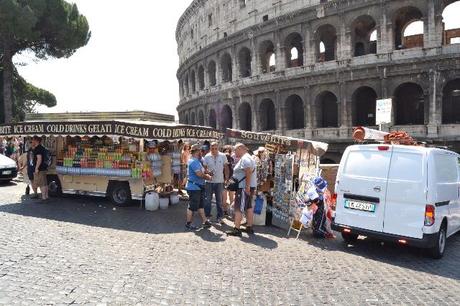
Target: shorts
{"points": [[196, 199], [40, 179], [243, 201]]}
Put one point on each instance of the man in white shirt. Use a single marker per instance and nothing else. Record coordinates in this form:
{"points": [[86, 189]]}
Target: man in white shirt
{"points": [[215, 163], [244, 172]]}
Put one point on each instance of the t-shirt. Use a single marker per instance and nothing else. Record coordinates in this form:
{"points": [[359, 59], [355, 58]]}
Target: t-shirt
{"points": [[40, 150], [239, 173], [216, 166], [194, 181]]}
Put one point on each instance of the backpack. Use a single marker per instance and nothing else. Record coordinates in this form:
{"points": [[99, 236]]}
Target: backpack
{"points": [[47, 159]]}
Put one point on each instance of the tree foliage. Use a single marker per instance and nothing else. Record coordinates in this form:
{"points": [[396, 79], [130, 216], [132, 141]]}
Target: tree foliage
{"points": [[49, 28]]}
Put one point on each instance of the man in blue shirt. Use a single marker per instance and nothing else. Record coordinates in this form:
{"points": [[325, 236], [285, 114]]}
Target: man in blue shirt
{"points": [[196, 188]]}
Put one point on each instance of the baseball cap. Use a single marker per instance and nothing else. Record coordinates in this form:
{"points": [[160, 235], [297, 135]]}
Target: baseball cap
{"points": [[320, 184], [195, 147]]}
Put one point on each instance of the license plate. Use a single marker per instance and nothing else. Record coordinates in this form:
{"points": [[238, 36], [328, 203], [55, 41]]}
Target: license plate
{"points": [[358, 205], [7, 172]]}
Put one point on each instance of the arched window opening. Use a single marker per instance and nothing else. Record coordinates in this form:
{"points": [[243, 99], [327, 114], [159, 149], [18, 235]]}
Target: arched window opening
{"points": [[294, 45], [408, 28], [201, 118], [409, 104], [186, 86], [451, 24], [201, 77], [295, 115], [451, 103], [186, 119], [245, 114], [192, 119], [326, 38], [193, 81], [226, 118], [212, 120], [212, 73], [327, 110], [267, 115], [226, 65], [267, 57], [364, 101], [245, 62], [362, 30]]}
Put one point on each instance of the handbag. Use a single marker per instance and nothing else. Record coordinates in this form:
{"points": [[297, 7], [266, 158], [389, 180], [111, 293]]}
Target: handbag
{"points": [[233, 184]]}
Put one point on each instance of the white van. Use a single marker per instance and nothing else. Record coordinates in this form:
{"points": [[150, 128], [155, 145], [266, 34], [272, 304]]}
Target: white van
{"points": [[406, 194]]}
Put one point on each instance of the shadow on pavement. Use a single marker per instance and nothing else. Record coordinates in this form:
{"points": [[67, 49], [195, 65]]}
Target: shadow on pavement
{"points": [[393, 254], [99, 212]]}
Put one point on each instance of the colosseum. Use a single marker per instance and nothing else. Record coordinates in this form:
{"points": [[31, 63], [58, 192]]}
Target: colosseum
{"points": [[314, 68]]}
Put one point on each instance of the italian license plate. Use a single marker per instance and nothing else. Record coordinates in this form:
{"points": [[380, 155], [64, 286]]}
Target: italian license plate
{"points": [[7, 172], [358, 205]]}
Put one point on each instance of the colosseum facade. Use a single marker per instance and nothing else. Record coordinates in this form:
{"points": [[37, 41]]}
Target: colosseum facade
{"points": [[314, 69]]}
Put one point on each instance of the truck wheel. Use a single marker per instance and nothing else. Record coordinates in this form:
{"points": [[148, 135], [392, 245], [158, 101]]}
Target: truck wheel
{"points": [[54, 186], [120, 194], [349, 238], [437, 252]]}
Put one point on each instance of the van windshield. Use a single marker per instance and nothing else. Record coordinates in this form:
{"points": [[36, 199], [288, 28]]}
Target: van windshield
{"points": [[368, 164]]}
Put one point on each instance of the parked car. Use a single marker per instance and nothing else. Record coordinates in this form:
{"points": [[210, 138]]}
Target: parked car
{"points": [[406, 194], [8, 169]]}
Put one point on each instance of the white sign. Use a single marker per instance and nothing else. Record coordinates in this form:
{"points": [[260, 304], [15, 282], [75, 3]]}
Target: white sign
{"points": [[383, 112]]}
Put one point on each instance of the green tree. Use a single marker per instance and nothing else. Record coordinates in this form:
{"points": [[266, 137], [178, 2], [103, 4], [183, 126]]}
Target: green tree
{"points": [[49, 28]]}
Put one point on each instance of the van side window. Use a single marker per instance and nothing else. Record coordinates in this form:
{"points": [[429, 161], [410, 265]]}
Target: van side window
{"points": [[367, 164], [406, 167], [445, 170]]}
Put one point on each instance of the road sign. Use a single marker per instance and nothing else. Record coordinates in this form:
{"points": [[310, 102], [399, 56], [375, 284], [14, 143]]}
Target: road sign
{"points": [[383, 112]]}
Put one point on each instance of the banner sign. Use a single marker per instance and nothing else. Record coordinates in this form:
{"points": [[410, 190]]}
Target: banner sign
{"points": [[109, 128], [316, 148], [383, 111]]}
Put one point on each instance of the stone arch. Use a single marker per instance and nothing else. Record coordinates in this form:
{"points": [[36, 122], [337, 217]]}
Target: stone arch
{"points": [[186, 119], [361, 30], [451, 23], [364, 101], [409, 104], [201, 118], [212, 119], [295, 113], [227, 68], [212, 73], [326, 36], [186, 85], [245, 117], [267, 56], [451, 102], [201, 83], [245, 61], [327, 110], [192, 118], [294, 50], [267, 115], [226, 117], [403, 18], [193, 81]]}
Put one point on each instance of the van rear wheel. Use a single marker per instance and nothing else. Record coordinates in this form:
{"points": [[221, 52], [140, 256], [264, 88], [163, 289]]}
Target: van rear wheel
{"points": [[350, 238], [437, 252], [120, 194]]}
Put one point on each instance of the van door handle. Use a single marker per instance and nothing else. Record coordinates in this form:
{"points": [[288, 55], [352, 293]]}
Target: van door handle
{"points": [[377, 188]]}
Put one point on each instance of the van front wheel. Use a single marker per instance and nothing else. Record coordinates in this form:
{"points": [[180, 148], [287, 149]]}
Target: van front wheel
{"points": [[437, 252], [349, 238]]}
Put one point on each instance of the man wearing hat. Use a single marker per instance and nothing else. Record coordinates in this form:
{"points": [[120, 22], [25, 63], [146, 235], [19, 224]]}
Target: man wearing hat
{"points": [[196, 188], [319, 218]]}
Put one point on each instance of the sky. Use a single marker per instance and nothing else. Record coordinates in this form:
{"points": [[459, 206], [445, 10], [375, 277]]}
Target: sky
{"points": [[130, 62]]}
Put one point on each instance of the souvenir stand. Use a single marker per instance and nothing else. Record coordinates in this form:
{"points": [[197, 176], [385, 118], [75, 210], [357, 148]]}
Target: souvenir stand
{"points": [[98, 157], [291, 164]]}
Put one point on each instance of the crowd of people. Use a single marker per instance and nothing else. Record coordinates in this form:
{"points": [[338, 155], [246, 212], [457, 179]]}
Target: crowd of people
{"points": [[210, 172], [32, 159]]}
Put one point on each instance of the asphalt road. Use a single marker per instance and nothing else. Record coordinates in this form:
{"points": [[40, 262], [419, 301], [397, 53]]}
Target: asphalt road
{"points": [[81, 250]]}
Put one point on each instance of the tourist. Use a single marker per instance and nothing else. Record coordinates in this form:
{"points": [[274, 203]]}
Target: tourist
{"points": [[320, 221], [25, 162], [196, 188], [228, 196], [40, 166], [245, 173], [215, 163], [184, 158]]}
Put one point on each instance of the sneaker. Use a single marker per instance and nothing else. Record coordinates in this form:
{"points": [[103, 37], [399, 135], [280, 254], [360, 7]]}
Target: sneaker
{"points": [[28, 190], [190, 227], [234, 232], [206, 224], [249, 230]]}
